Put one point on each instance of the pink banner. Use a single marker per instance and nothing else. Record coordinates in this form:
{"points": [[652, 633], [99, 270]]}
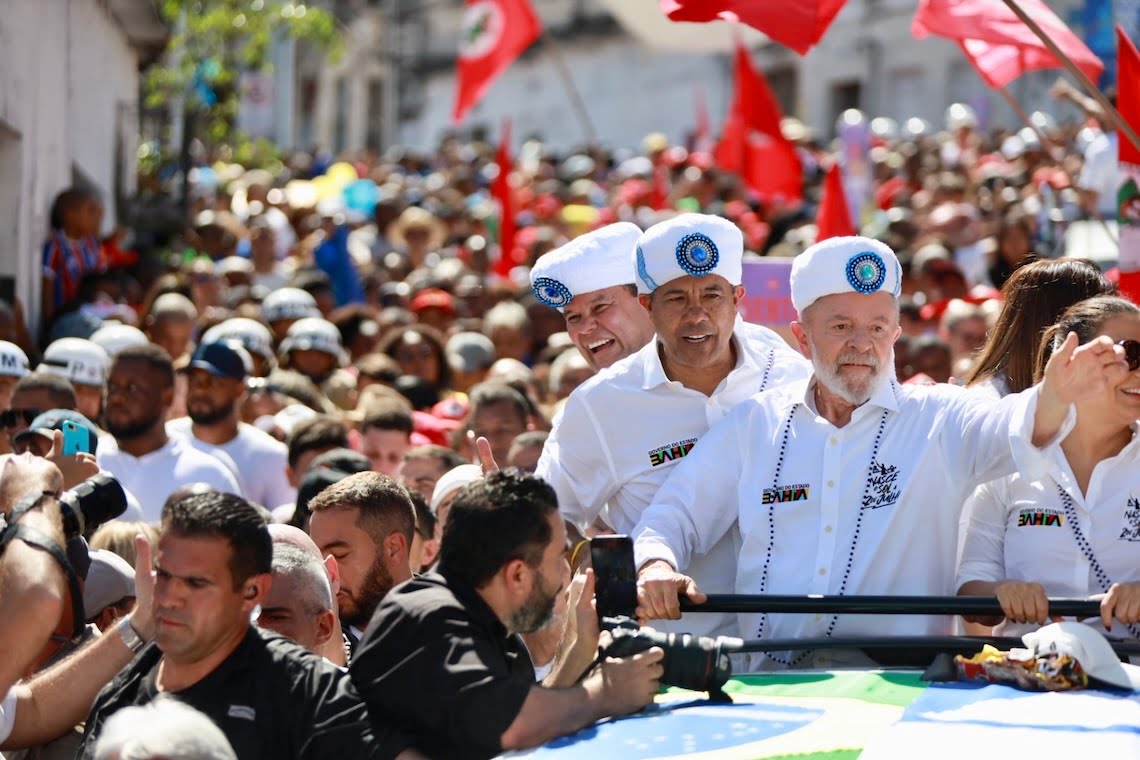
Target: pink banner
{"points": [[767, 293]]}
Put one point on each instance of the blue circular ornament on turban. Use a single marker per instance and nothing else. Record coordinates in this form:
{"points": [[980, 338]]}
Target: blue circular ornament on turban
{"points": [[552, 293], [866, 272], [697, 254]]}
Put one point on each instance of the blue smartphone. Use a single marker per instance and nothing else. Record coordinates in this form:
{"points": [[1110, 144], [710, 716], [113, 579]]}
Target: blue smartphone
{"points": [[75, 438]]}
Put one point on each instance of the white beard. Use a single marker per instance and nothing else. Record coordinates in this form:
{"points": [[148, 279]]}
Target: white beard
{"points": [[854, 391]]}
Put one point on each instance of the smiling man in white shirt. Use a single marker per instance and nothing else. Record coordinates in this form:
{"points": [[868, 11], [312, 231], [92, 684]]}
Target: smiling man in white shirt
{"points": [[590, 281], [625, 429], [848, 483]]}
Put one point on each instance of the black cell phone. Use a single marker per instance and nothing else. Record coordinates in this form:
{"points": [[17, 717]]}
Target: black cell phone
{"points": [[615, 576]]}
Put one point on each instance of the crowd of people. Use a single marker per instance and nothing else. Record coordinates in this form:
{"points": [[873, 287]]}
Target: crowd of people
{"points": [[363, 446]]}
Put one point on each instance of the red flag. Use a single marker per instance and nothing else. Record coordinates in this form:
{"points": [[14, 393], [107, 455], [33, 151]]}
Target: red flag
{"points": [[495, 33], [1128, 93], [798, 24], [751, 143], [997, 43], [501, 191], [833, 219]]}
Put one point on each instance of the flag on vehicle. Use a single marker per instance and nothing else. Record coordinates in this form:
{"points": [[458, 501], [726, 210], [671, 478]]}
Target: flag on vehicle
{"points": [[494, 34]]}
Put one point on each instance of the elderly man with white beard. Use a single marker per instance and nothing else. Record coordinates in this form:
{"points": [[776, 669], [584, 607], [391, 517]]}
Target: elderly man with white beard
{"points": [[848, 482]]}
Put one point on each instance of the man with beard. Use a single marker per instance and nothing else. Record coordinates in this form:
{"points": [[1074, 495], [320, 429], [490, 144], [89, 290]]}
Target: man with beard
{"points": [[625, 429], [590, 281], [441, 658], [366, 522], [149, 463], [848, 482], [215, 388]]}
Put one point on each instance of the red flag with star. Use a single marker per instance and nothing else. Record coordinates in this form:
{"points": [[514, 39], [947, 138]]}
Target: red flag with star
{"points": [[495, 33]]}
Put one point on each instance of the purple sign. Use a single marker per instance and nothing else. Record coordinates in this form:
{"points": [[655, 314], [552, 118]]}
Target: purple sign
{"points": [[768, 293]]}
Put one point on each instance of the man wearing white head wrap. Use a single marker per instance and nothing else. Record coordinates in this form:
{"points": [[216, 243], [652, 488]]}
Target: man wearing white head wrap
{"points": [[847, 482], [590, 281], [623, 430]]}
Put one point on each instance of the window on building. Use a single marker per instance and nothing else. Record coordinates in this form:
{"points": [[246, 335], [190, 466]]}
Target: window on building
{"points": [[844, 95], [340, 115], [374, 132]]}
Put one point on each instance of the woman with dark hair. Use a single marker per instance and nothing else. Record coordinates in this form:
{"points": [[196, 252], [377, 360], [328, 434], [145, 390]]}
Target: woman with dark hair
{"points": [[1076, 532], [1014, 247], [418, 349], [1034, 298]]}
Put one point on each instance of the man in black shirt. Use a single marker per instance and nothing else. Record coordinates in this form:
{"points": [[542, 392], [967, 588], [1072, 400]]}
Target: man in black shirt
{"points": [[441, 659], [270, 697]]}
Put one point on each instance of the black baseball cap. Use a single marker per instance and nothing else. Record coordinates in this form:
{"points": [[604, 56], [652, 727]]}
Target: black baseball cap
{"points": [[53, 419], [222, 359]]}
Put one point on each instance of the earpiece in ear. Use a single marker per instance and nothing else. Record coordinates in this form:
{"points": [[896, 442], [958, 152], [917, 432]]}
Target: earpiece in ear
{"points": [[251, 592]]}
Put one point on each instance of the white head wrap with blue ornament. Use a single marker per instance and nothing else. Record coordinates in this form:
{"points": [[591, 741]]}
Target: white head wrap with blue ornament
{"points": [[844, 265], [688, 244], [594, 261]]}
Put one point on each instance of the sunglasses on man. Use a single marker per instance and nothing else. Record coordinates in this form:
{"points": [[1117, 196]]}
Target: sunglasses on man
{"points": [[11, 418]]}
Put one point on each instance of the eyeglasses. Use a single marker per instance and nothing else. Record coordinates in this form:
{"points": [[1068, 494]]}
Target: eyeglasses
{"points": [[1131, 353], [10, 418]]}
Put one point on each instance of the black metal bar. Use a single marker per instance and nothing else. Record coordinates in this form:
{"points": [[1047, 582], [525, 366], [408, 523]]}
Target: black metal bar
{"points": [[923, 643], [877, 605]]}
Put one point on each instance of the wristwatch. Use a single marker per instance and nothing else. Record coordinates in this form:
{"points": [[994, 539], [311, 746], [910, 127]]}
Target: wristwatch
{"points": [[128, 634]]}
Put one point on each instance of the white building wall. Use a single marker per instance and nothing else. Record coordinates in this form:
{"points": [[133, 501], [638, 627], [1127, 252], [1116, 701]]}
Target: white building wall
{"points": [[65, 68], [629, 92]]}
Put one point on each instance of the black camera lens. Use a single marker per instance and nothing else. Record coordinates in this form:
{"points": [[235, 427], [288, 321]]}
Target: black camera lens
{"points": [[90, 504]]}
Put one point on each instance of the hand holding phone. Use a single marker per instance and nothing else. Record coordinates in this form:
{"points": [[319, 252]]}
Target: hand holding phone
{"points": [[76, 439]]}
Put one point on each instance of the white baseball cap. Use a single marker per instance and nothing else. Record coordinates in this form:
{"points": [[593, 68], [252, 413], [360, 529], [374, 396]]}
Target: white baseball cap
{"points": [[114, 338], [289, 303], [688, 244], [253, 335], [83, 362], [13, 360], [844, 265], [453, 480], [1088, 647], [316, 334], [594, 261]]}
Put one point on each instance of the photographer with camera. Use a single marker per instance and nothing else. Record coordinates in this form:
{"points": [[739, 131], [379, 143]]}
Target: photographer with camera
{"points": [[441, 658], [33, 596]]}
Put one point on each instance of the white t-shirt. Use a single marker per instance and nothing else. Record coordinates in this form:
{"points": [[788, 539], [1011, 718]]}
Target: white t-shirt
{"points": [[259, 459], [154, 476], [1101, 173]]}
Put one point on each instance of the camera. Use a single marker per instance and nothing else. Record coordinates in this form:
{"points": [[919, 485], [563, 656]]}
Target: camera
{"points": [[691, 662], [90, 504], [697, 663]]}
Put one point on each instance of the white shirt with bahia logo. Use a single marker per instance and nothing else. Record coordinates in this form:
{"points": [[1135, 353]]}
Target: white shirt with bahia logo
{"points": [[1016, 529], [624, 430], [938, 442]]}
